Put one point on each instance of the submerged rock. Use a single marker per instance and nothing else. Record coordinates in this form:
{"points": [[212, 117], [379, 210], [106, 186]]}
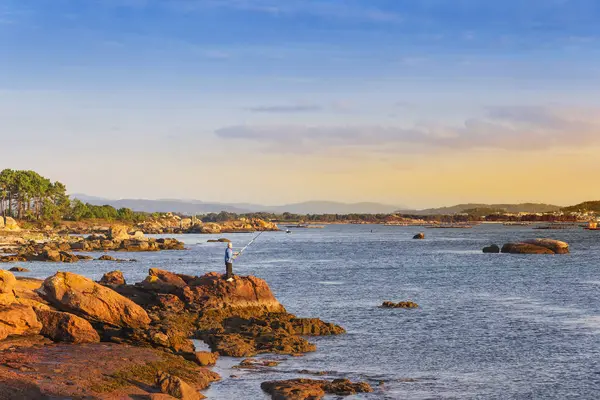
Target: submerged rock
{"points": [[492, 249], [402, 304], [18, 269]]}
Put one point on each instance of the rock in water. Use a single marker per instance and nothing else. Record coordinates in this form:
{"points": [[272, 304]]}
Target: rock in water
{"points": [[525, 248], [113, 278], [311, 389], [7, 285], [176, 387], [18, 269], [492, 249], [18, 319], [402, 304], [556, 246], [82, 296], [65, 327], [206, 358], [419, 236]]}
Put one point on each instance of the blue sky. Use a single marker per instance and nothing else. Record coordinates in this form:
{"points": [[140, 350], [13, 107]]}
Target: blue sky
{"points": [[146, 98]]}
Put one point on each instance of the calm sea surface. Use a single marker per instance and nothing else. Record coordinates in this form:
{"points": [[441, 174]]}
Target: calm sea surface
{"points": [[489, 326]]}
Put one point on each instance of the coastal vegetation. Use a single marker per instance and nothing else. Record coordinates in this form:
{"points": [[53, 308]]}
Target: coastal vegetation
{"points": [[26, 195]]}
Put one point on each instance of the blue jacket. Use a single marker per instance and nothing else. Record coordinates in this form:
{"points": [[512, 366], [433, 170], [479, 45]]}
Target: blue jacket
{"points": [[228, 255]]}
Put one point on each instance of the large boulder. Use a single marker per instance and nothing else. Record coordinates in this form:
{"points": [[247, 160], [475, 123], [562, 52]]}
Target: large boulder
{"points": [[82, 296], [242, 296], [167, 277], [206, 358], [7, 285], [118, 232], [556, 246], [18, 319], [65, 327], [176, 387], [525, 248], [113, 278]]}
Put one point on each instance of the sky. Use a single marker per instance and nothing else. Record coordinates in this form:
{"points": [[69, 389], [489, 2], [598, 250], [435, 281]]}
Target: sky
{"points": [[412, 103]]}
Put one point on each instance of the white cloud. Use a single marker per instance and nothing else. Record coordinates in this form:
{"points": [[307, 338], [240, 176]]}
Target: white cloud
{"points": [[509, 128]]}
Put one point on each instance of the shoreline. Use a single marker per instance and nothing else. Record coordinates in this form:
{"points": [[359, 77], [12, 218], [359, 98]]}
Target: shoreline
{"points": [[150, 320]]}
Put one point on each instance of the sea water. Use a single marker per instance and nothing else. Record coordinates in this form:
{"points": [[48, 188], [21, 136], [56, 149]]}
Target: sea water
{"points": [[489, 326]]}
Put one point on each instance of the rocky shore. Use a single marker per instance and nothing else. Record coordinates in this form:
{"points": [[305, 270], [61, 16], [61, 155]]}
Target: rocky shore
{"points": [[173, 224], [68, 336], [61, 249]]}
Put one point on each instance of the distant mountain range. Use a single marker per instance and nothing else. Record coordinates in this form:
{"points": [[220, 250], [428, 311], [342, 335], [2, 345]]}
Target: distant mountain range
{"points": [[510, 208], [191, 207]]}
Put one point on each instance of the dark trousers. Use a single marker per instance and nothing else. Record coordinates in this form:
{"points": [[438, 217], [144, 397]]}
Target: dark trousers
{"points": [[228, 270]]}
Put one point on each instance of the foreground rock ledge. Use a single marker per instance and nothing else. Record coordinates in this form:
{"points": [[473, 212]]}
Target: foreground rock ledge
{"points": [[99, 371], [311, 389], [144, 329]]}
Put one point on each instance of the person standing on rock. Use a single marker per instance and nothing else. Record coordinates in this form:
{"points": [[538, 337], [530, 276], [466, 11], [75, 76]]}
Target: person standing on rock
{"points": [[229, 257]]}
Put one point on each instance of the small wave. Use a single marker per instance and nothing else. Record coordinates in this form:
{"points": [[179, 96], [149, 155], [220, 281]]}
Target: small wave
{"points": [[330, 283]]}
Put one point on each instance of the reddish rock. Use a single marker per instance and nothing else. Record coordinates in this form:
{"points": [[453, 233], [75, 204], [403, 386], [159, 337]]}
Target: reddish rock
{"points": [[7, 285], [65, 327], [556, 246], [310, 389], [176, 387], [170, 302], [94, 371], [82, 296], [525, 248], [113, 278], [249, 294], [18, 319], [167, 277], [206, 358]]}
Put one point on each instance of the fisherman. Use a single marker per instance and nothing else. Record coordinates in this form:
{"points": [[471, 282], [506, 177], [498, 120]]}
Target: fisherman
{"points": [[229, 257]]}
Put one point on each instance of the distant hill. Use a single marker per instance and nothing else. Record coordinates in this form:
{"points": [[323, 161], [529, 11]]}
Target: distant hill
{"points": [[331, 207], [593, 206], [199, 207], [509, 208]]}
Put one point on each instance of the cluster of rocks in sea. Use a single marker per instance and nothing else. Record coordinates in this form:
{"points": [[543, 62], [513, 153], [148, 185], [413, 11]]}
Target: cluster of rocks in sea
{"points": [[533, 246], [68, 336], [61, 249]]}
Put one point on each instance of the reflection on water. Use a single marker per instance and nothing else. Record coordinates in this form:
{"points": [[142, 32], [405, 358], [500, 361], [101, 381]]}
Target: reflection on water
{"points": [[488, 326]]}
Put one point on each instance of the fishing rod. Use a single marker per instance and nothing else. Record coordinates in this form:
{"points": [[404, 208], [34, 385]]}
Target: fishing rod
{"points": [[246, 246]]}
